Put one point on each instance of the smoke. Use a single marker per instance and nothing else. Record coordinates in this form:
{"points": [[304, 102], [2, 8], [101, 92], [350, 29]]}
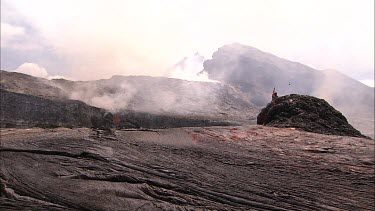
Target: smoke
{"points": [[160, 95], [145, 94], [190, 69], [348, 95], [354, 99], [103, 94]]}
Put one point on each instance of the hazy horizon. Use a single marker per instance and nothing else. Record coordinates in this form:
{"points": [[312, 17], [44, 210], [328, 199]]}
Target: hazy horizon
{"points": [[85, 40]]}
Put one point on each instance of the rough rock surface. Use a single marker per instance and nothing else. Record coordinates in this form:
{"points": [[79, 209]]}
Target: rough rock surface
{"points": [[131, 119], [307, 113], [214, 168], [22, 110]]}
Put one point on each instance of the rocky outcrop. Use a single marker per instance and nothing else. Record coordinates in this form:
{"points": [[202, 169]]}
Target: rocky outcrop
{"points": [[21, 110], [307, 113], [131, 119]]}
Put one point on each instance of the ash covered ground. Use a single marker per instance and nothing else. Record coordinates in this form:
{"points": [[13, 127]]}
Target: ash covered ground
{"points": [[201, 168]]}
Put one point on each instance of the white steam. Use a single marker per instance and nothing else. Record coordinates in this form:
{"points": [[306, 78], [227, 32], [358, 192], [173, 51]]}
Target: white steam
{"points": [[190, 69], [159, 95], [350, 97], [368, 82], [112, 98]]}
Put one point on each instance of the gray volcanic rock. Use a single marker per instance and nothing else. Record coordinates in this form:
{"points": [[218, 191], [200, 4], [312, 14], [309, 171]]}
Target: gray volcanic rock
{"points": [[131, 119], [21, 110], [213, 168], [26, 84], [142, 94], [307, 113]]}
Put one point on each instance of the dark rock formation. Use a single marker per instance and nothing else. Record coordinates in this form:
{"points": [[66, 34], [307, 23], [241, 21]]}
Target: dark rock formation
{"points": [[131, 119], [307, 113], [21, 110]]}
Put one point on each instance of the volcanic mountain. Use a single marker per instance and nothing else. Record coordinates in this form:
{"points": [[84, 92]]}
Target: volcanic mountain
{"points": [[155, 97], [256, 73]]}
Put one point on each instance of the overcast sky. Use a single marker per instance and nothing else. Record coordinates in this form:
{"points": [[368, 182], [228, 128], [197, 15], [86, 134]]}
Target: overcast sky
{"points": [[87, 39]]}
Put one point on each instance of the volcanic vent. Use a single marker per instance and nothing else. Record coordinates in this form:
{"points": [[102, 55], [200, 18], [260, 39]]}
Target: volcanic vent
{"points": [[307, 113]]}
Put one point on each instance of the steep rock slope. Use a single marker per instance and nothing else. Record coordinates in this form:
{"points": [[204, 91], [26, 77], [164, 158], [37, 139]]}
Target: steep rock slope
{"points": [[26, 84], [21, 110]]}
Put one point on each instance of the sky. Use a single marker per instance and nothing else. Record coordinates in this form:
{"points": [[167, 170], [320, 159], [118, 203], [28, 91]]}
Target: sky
{"points": [[87, 39]]}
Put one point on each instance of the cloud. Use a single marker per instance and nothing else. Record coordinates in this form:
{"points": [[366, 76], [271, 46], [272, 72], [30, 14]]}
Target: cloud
{"points": [[147, 37], [9, 33], [22, 41], [36, 70], [32, 69], [15, 37], [368, 82]]}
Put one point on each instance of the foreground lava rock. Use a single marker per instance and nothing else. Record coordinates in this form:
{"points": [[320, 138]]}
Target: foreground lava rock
{"points": [[202, 168], [307, 113]]}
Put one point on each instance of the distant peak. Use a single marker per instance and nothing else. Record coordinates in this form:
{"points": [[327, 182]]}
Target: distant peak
{"points": [[239, 45]]}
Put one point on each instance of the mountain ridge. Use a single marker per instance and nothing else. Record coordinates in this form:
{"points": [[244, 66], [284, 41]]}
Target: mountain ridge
{"points": [[256, 73], [247, 77], [157, 96]]}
